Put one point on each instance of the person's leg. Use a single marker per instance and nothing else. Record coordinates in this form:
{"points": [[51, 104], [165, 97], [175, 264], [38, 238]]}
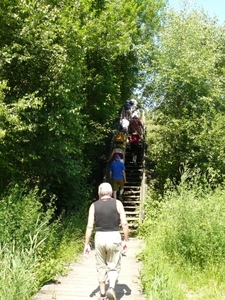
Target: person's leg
{"points": [[113, 275], [121, 189], [111, 295], [113, 259], [134, 157], [132, 150], [121, 192], [135, 153], [101, 266], [102, 289], [115, 188]]}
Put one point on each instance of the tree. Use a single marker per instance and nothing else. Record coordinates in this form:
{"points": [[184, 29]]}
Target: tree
{"points": [[187, 86], [67, 68]]}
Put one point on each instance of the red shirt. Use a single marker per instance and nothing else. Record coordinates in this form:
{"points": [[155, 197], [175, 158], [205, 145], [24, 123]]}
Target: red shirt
{"points": [[134, 138]]}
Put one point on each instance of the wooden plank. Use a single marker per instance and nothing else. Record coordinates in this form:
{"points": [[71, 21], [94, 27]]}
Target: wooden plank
{"points": [[81, 282]]}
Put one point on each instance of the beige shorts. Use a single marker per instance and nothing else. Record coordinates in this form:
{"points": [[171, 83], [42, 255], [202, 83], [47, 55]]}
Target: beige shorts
{"points": [[108, 246], [117, 184]]}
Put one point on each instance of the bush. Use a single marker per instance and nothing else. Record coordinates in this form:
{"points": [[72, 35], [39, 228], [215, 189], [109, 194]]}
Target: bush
{"points": [[21, 213], [17, 274], [193, 227], [35, 247], [185, 235]]}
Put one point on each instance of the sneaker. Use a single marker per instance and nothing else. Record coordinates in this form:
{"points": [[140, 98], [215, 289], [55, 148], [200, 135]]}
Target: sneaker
{"points": [[111, 294]]}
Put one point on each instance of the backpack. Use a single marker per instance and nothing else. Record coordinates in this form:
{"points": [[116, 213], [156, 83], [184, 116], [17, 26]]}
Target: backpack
{"points": [[127, 106], [119, 138]]}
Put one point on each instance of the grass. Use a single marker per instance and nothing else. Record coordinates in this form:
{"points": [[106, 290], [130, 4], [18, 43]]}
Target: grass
{"points": [[185, 245], [35, 247]]}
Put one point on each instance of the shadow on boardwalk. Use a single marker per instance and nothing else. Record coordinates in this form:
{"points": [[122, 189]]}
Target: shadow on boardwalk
{"points": [[81, 282]]}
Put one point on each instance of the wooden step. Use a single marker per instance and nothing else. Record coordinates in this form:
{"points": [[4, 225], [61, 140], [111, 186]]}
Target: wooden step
{"points": [[131, 192], [133, 218], [132, 196], [133, 181], [133, 173], [127, 185], [131, 206], [132, 166], [132, 213], [133, 202]]}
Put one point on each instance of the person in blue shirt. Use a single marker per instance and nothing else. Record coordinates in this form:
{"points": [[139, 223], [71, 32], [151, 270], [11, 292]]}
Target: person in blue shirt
{"points": [[117, 175]]}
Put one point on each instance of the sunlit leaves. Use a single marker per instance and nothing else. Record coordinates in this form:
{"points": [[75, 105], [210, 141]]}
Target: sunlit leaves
{"points": [[188, 86], [69, 66]]}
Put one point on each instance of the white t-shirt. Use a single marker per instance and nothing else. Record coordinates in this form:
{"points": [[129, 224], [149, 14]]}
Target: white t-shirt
{"points": [[135, 113], [124, 123]]}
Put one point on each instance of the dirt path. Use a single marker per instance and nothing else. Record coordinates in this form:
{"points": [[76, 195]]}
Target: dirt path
{"points": [[81, 282]]}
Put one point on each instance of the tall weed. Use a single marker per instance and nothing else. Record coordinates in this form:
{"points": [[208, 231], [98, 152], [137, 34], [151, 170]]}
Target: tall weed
{"points": [[35, 247], [193, 227], [185, 242], [17, 274], [21, 212]]}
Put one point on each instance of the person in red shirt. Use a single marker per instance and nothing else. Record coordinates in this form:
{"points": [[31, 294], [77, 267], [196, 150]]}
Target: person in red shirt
{"points": [[135, 125], [134, 145]]}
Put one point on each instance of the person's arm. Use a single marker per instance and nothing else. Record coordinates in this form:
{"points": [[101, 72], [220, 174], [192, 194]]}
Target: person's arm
{"points": [[89, 230], [124, 225], [141, 125], [124, 176], [110, 175]]}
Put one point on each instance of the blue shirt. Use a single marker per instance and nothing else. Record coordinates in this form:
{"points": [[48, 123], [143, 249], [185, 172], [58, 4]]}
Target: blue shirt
{"points": [[117, 168]]}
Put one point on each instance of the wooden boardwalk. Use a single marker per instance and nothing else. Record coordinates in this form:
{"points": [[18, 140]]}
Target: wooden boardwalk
{"points": [[81, 282]]}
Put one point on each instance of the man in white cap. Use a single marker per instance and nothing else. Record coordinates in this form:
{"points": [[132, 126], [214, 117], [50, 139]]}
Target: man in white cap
{"points": [[107, 214]]}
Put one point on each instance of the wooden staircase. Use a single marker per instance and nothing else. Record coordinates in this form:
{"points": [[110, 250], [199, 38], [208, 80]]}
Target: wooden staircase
{"points": [[134, 189]]}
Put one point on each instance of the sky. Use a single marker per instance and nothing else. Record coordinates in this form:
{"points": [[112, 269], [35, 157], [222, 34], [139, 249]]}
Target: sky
{"points": [[212, 7]]}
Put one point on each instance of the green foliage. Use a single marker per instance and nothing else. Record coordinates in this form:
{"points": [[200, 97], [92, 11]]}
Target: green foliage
{"points": [[17, 275], [42, 120], [63, 246], [184, 234], [67, 68], [35, 247], [25, 230], [21, 216], [187, 88]]}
